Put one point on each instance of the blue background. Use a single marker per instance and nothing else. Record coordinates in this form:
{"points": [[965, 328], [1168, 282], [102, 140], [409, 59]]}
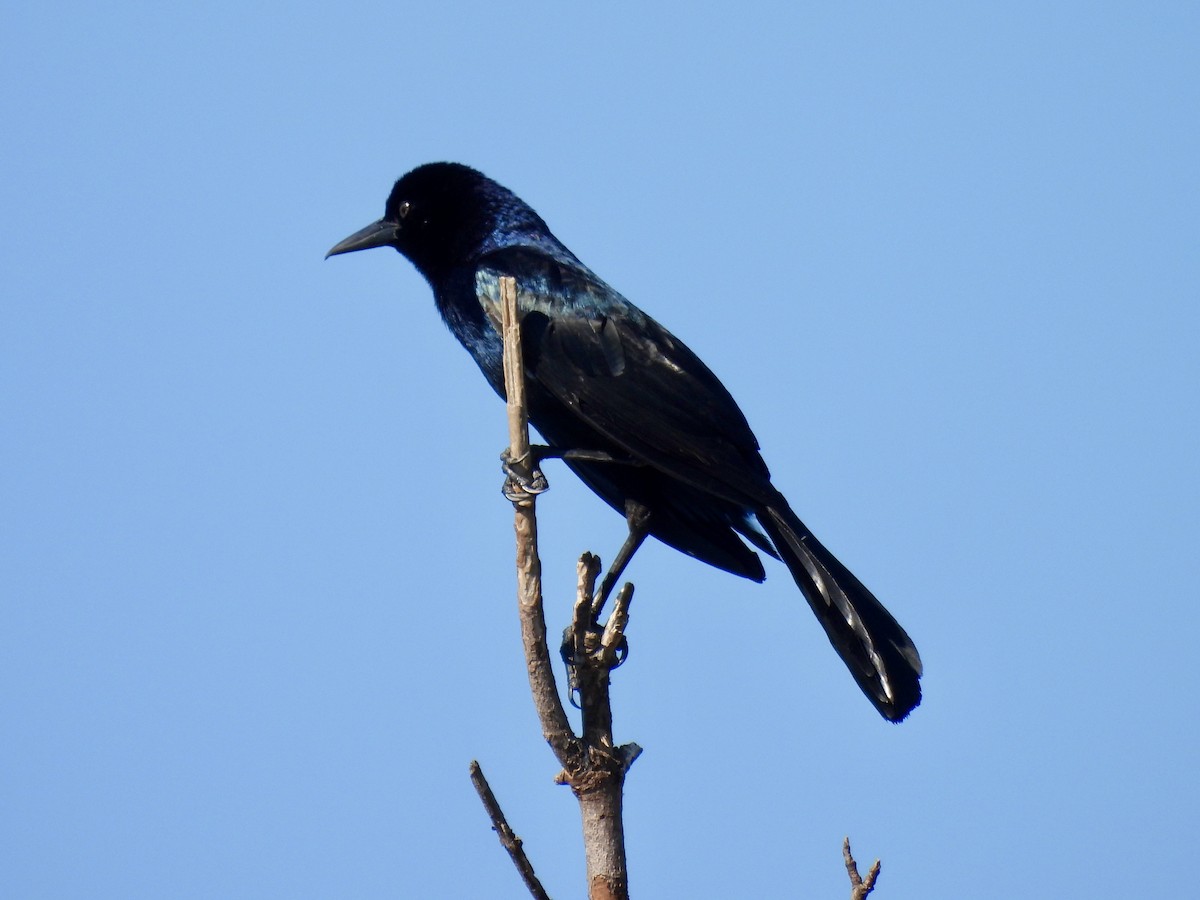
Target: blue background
{"points": [[257, 604]]}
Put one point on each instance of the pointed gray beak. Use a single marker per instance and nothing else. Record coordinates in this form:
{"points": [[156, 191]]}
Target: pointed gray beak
{"points": [[378, 234]]}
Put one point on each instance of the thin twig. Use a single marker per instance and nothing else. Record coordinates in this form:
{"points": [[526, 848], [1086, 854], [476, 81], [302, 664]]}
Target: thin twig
{"points": [[859, 887], [614, 630], [508, 839], [587, 570], [514, 374]]}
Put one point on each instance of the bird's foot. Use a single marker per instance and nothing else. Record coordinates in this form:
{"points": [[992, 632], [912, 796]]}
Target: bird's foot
{"points": [[523, 479], [598, 651], [589, 645], [591, 649], [597, 647]]}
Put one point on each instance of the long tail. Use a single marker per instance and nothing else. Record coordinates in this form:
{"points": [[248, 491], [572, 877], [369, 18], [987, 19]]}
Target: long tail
{"points": [[878, 652]]}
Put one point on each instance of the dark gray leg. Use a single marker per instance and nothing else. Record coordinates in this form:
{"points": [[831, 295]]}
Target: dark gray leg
{"points": [[638, 518]]}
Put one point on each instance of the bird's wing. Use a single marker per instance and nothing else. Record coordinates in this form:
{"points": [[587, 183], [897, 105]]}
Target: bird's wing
{"points": [[625, 375]]}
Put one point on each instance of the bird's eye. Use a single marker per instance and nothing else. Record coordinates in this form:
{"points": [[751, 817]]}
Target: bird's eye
{"points": [[404, 208]]}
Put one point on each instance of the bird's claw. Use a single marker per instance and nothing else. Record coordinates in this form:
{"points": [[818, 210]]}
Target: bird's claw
{"points": [[522, 479], [594, 652]]}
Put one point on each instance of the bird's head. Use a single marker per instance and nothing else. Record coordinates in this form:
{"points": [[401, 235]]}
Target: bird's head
{"points": [[443, 215]]}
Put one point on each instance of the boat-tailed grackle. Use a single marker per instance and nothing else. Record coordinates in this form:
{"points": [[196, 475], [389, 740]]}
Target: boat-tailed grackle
{"points": [[605, 378]]}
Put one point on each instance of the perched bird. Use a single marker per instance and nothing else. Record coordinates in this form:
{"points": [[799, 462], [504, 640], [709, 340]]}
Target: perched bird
{"points": [[633, 411]]}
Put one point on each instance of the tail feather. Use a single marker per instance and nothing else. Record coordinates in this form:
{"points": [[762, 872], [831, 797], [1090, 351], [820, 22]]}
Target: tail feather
{"points": [[878, 652]]}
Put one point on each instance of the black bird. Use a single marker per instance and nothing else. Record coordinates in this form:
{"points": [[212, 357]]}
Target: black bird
{"points": [[657, 436]]}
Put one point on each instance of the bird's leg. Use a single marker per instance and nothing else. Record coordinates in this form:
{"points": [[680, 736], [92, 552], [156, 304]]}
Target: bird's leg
{"points": [[576, 454], [525, 477], [638, 518]]}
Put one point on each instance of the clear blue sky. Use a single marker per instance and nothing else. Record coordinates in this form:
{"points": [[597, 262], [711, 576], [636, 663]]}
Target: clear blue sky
{"points": [[257, 610]]}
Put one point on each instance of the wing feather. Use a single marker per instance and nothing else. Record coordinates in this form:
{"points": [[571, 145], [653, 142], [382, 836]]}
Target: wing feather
{"points": [[627, 376]]}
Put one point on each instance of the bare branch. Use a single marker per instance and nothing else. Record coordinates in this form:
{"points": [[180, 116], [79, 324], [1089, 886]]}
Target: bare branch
{"points": [[508, 839], [592, 766], [587, 570], [859, 887], [514, 373], [614, 631], [555, 727]]}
